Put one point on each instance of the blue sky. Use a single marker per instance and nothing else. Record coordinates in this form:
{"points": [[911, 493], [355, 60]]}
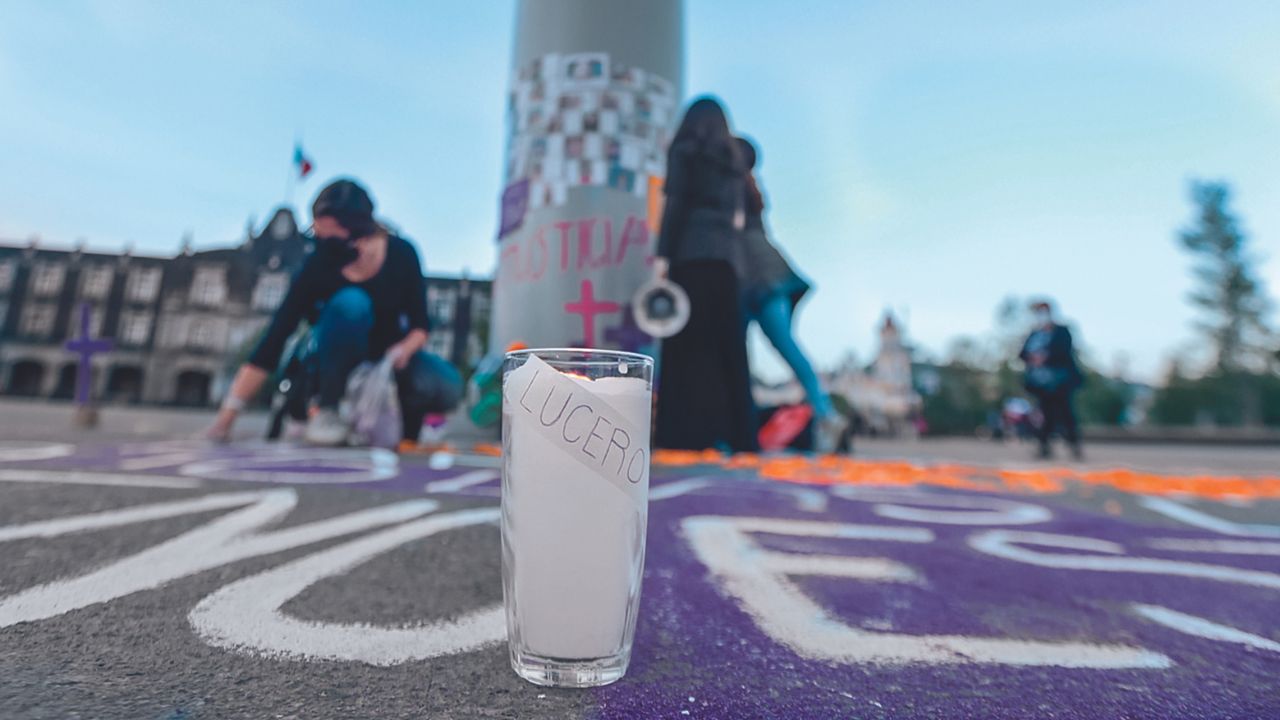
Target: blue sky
{"points": [[922, 156]]}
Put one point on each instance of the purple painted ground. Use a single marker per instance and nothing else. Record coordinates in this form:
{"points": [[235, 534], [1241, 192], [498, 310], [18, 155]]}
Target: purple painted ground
{"points": [[701, 652], [694, 642]]}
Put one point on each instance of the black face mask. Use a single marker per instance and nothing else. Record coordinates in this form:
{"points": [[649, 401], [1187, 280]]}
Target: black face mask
{"points": [[336, 249]]}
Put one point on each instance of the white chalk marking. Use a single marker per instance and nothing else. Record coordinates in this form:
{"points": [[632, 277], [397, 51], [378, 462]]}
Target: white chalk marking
{"points": [[126, 516], [1206, 521], [245, 616], [1200, 627], [666, 491], [458, 482], [1225, 547], [79, 477], [1007, 544], [972, 510], [154, 447], [367, 465], [225, 540], [477, 461], [757, 579], [159, 461], [807, 499], [19, 451], [844, 531]]}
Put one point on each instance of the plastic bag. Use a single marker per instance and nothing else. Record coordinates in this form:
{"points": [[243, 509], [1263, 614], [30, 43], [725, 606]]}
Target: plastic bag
{"points": [[372, 408]]}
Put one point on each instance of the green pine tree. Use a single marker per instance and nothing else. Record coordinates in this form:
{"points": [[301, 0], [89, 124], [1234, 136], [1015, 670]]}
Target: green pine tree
{"points": [[1232, 300]]}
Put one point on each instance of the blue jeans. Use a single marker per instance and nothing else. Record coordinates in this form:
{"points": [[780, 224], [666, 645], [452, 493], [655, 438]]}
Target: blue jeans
{"points": [[427, 384], [774, 318]]}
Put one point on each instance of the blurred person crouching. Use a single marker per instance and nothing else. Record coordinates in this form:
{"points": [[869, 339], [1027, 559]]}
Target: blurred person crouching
{"points": [[363, 293]]}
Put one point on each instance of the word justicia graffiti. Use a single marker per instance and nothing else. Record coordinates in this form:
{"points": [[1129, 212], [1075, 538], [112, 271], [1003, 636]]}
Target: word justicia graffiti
{"points": [[573, 246], [758, 577]]}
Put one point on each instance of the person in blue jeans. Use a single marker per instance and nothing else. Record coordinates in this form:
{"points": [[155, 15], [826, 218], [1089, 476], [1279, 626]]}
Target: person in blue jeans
{"points": [[362, 291], [772, 290]]}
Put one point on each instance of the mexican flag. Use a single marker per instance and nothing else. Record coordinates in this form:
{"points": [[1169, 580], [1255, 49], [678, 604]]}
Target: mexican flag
{"points": [[301, 161]]}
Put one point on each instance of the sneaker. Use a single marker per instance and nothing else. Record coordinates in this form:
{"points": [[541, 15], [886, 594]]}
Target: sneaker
{"points": [[783, 426], [326, 428], [827, 433]]}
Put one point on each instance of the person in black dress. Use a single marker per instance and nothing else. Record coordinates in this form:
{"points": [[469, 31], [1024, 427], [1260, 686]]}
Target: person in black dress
{"points": [[704, 390]]}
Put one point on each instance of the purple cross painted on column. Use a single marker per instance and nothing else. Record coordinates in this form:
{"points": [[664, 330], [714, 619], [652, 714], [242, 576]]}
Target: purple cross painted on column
{"points": [[86, 347]]}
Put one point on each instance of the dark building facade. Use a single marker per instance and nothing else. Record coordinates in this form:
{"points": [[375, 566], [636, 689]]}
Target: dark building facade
{"points": [[181, 324]]}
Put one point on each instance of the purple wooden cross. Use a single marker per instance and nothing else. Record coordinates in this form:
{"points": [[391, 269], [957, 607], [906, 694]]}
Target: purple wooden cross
{"points": [[86, 347]]}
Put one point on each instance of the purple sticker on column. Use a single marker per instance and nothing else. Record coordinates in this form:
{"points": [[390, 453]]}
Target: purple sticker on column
{"points": [[515, 202]]}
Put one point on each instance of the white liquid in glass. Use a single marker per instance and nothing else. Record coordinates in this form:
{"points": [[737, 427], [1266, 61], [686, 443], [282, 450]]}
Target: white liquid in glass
{"points": [[576, 539]]}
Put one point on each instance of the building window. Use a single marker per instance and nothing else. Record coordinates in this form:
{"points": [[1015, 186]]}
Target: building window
{"points": [[209, 287], [440, 343], [96, 316], [242, 334], [173, 332], [37, 320], [144, 285], [47, 279], [135, 328], [440, 308], [270, 291], [96, 282], [7, 271], [204, 335]]}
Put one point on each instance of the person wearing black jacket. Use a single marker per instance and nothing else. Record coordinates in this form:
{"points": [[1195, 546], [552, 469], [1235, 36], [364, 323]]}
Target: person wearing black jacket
{"points": [[1052, 376], [704, 392], [362, 291]]}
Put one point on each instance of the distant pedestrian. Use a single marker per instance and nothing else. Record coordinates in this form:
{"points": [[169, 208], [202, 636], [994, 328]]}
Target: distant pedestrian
{"points": [[362, 291], [704, 392], [1052, 376], [772, 290]]}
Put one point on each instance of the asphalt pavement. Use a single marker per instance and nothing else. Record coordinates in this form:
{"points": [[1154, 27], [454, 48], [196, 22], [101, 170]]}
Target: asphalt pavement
{"points": [[149, 576]]}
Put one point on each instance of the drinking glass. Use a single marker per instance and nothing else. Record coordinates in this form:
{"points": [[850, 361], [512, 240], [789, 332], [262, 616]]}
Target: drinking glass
{"points": [[575, 489]]}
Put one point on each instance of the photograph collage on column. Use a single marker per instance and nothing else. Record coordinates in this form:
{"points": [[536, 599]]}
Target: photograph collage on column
{"points": [[584, 120]]}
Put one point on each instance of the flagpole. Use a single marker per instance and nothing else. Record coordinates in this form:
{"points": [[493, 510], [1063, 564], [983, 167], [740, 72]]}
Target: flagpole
{"points": [[299, 168], [288, 184]]}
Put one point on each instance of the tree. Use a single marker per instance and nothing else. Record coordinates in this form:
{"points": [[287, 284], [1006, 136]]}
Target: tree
{"points": [[959, 405], [1232, 300], [1012, 322], [962, 400], [1176, 402], [1103, 400], [1217, 399]]}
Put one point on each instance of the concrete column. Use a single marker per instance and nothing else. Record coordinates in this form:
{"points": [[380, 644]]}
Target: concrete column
{"points": [[595, 92]]}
